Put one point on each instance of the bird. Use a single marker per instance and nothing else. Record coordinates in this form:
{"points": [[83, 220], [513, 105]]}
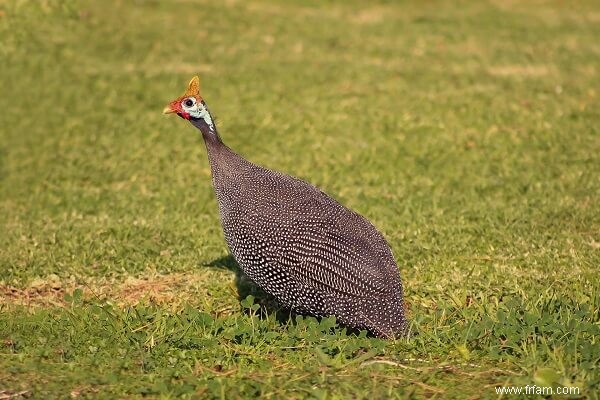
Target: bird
{"points": [[315, 256]]}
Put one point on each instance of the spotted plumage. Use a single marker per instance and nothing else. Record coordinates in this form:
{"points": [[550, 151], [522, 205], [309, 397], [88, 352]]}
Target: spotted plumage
{"points": [[311, 253]]}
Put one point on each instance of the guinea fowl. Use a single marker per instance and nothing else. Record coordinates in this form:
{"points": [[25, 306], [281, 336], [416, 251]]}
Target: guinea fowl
{"points": [[315, 256]]}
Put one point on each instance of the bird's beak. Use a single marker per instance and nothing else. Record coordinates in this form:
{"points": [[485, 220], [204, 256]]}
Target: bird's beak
{"points": [[168, 110]]}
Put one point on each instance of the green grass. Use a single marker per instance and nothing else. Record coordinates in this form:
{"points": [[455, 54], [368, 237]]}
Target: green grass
{"points": [[467, 132]]}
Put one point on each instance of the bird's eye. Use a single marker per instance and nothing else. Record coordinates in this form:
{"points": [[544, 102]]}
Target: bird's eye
{"points": [[188, 102]]}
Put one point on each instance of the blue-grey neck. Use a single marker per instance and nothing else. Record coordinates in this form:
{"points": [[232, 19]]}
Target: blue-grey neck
{"points": [[223, 161]]}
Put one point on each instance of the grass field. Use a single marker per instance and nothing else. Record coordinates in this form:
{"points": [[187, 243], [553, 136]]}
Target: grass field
{"points": [[467, 132]]}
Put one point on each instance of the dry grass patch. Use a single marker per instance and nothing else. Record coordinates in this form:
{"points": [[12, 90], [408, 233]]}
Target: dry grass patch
{"points": [[173, 288], [522, 70]]}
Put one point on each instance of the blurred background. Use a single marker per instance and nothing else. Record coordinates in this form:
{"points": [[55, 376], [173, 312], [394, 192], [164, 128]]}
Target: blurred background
{"points": [[466, 131], [417, 115]]}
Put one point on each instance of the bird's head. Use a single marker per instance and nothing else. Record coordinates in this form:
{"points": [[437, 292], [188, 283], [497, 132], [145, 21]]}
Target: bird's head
{"points": [[189, 105]]}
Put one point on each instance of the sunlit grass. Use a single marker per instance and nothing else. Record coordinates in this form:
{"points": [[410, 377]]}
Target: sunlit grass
{"points": [[466, 132]]}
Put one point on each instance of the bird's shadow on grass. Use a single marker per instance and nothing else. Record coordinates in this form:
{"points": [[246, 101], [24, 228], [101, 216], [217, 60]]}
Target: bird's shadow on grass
{"points": [[268, 304], [246, 287]]}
